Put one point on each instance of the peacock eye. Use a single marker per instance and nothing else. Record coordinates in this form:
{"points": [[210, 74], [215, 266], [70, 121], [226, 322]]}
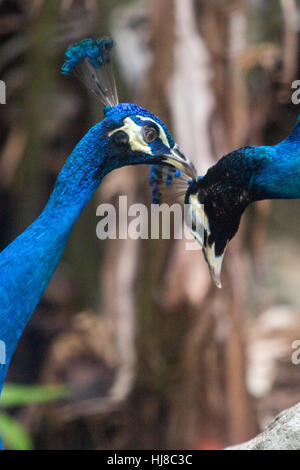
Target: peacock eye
{"points": [[150, 133], [120, 138]]}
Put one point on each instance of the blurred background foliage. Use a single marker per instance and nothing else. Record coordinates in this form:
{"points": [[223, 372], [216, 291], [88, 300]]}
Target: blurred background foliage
{"points": [[15, 436], [155, 356]]}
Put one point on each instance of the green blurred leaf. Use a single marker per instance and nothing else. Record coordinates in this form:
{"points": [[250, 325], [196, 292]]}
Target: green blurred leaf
{"points": [[14, 435], [18, 395]]}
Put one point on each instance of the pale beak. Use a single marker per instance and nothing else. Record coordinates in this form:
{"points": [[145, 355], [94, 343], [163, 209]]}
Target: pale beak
{"points": [[214, 263], [178, 160]]}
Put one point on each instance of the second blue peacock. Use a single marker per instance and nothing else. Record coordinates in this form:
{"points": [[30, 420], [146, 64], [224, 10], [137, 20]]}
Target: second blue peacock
{"points": [[217, 200]]}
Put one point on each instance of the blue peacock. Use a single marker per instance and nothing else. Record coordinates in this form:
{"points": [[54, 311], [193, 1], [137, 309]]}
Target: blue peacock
{"points": [[217, 200], [128, 135]]}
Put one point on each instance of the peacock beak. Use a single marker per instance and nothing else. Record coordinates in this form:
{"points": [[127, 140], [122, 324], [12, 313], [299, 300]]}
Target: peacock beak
{"points": [[214, 263], [178, 160]]}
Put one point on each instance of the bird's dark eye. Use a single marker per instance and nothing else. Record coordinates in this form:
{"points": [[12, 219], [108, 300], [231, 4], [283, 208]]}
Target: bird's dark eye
{"points": [[120, 138], [150, 133]]}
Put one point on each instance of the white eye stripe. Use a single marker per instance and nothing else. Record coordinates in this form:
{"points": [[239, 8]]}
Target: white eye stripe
{"points": [[134, 132], [136, 139], [162, 134]]}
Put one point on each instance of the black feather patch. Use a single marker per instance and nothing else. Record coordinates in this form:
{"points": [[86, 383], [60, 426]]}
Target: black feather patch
{"points": [[225, 193]]}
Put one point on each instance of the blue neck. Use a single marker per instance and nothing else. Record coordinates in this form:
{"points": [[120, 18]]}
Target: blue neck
{"points": [[279, 174], [269, 172], [28, 263]]}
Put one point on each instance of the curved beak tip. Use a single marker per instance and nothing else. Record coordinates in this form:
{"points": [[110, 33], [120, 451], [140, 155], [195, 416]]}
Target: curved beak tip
{"points": [[215, 267], [216, 277], [178, 160]]}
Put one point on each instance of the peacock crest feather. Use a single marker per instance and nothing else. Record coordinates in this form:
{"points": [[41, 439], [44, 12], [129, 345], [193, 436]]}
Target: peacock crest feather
{"points": [[91, 60]]}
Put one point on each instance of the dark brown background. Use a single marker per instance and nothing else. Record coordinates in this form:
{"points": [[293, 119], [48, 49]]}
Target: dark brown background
{"points": [[157, 357]]}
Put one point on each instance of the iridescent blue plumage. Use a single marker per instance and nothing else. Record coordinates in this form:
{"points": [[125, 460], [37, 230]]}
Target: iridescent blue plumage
{"points": [[28, 263], [98, 53], [121, 138], [91, 60]]}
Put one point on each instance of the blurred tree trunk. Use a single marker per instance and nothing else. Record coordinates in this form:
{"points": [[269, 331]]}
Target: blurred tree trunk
{"points": [[40, 73], [190, 387], [156, 328]]}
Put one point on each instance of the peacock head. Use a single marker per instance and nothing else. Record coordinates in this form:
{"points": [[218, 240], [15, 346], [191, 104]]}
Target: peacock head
{"points": [[217, 201], [134, 136], [130, 134]]}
